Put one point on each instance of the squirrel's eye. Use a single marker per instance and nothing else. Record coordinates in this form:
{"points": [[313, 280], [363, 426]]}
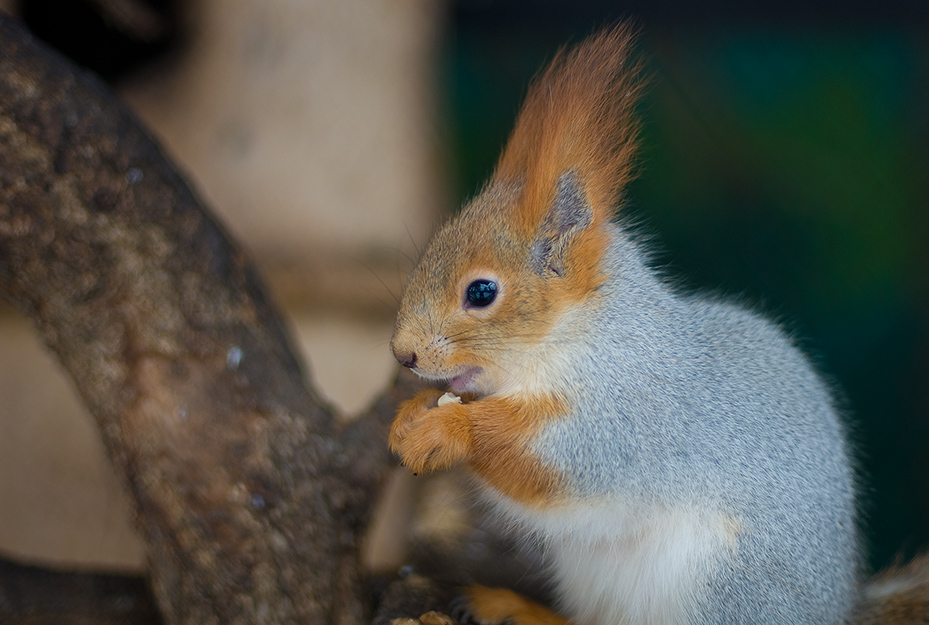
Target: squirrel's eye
{"points": [[481, 293]]}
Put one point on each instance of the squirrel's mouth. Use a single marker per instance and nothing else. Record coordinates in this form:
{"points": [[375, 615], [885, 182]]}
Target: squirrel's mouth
{"points": [[464, 381]]}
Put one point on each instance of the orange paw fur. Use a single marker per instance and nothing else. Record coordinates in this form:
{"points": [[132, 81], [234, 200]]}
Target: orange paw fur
{"points": [[495, 606], [428, 437]]}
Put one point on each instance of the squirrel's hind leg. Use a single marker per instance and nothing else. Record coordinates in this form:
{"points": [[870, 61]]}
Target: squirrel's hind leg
{"points": [[495, 606]]}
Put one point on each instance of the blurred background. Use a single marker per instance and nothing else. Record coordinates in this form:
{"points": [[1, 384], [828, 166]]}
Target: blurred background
{"points": [[785, 163]]}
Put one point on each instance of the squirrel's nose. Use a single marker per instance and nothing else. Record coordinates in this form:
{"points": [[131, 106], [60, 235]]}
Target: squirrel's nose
{"points": [[403, 349], [407, 360]]}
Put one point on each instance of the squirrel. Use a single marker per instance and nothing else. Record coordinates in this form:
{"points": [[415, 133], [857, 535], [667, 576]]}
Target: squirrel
{"points": [[677, 457]]}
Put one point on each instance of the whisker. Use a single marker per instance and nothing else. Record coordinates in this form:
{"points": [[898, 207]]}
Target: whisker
{"points": [[419, 252], [383, 284]]}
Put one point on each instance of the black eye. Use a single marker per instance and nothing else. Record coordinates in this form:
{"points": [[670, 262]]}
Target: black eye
{"points": [[481, 293]]}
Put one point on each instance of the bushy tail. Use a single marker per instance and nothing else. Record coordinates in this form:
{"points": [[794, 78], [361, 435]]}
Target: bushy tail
{"points": [[897, 596]]}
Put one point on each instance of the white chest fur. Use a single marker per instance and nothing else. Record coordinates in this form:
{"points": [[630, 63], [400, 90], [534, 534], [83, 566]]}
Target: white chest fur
{"points": [[614, 565]]}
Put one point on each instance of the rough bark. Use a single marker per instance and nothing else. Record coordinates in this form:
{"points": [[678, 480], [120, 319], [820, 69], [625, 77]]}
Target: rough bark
{"points": [[251, 497]]}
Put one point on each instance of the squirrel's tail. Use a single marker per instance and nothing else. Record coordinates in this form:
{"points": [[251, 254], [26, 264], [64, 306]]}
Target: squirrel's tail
{"points": [[898, 595]]}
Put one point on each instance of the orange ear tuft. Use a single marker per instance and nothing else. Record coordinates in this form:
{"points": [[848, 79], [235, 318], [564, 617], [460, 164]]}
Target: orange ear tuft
{"points": [[578, 115]]}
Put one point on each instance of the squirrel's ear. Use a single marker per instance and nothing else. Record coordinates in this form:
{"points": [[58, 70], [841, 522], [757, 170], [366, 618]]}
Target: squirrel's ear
{"points": [[570, 214], [577, 129]]}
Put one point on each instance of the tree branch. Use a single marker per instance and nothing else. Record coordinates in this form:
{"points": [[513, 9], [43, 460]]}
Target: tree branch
{"points": [[251, 497]]}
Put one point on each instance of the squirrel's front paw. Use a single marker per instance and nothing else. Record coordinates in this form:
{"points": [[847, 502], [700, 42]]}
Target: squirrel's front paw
{"points": [[428, 437]]}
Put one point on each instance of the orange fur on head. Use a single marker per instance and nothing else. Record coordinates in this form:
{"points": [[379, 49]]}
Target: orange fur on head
{"points": [[578, 115]]}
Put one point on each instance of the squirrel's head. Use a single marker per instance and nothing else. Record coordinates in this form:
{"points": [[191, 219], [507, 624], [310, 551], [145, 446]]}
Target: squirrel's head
{"points": [[482, 306]]}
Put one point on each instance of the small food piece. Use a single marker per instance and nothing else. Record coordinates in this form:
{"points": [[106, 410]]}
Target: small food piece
{"points": [[449, 398], [436, 618]]}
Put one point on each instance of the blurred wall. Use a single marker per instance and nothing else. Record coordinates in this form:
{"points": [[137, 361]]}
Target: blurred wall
{"points": [[308, 126]]}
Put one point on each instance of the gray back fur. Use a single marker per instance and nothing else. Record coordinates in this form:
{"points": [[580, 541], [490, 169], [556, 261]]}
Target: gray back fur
{"points": [[688, 400]]}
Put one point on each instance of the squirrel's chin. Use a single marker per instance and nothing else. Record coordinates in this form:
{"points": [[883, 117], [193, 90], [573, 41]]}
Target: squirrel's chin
{"points": [[466, 381]]}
